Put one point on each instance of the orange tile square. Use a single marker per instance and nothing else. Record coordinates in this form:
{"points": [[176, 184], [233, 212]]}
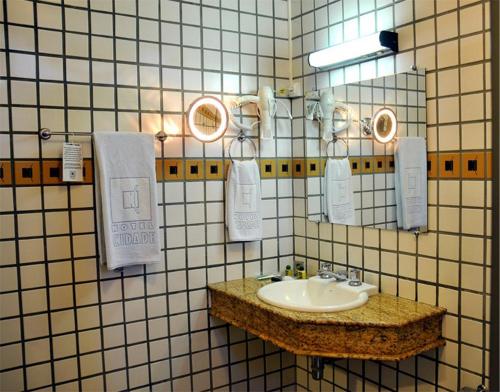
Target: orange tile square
{"points": [[379, 164], [449, 165], [159, 169], [227, 164], [432, 165], [489, 165], [52, 171], [473, 165], [194, 169], [6, 174], [313, 167], [267, 168], [27, 172], [355, 165], [88, 171], [214, 170], [298, 167], [285, 168], [367, 165], [390, 165], [173, 169]]}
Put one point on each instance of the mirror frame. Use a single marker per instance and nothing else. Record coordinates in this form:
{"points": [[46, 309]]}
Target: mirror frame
{"points": [[224, 115]]}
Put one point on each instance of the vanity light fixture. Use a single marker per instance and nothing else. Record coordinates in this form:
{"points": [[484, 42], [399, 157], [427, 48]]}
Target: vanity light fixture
{"points": [[366, 48], [383, 126], [207, 119]]}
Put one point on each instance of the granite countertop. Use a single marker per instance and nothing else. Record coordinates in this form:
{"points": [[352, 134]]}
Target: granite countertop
{"points": [[381, 310]]}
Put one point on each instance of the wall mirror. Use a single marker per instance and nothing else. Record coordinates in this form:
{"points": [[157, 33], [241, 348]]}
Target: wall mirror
{"points": [[207, 119], [369, 118]]}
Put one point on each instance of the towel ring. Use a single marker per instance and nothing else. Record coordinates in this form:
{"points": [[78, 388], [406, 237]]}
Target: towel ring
{"points": [[334, 140], [241, 137]]}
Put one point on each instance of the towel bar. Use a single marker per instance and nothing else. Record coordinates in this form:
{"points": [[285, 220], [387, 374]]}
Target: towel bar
{"points": [[46, 134]]}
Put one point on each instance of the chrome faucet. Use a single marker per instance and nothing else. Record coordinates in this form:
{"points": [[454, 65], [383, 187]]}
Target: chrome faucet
{"points": [[325, 272]]}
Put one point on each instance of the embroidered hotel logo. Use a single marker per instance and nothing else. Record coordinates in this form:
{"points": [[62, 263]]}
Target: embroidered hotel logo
{"points": [[131, 200], [130, 205]]}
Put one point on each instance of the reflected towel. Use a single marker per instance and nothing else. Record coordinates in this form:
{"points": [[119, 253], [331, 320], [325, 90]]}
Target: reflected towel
{"points": [[338, 199], [243, 201], [126, 200], [410, 179]]}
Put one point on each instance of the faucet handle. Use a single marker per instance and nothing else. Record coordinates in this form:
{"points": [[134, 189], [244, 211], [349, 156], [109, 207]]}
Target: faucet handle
{"points": [[325, 267], [355, 277]]}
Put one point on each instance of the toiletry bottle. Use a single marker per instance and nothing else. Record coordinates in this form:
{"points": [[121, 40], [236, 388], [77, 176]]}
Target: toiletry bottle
{"points": [[301, 273], [298, 266], [288, 270]]}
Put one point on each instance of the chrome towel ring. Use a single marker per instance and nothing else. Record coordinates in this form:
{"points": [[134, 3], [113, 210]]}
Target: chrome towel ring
{"points": [[334, 140], [241, 137]]}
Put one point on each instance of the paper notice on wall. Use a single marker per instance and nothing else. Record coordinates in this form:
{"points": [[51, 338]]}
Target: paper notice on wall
{"points": [[72, 162]]}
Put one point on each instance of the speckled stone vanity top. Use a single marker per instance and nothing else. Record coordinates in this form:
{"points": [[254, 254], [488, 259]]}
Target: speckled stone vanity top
{"points": [[385, 328]]}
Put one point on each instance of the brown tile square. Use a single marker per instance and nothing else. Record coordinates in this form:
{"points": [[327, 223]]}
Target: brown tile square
{"points": [[473, 165], [227, 165], [159, 169], [432, 165], [355, 165], [449, 165], [173, 169], [267, 168], [194, 169], [313, 167], [322, 165], [88, 171], [52, 171], [367, 165], [5, 173], [214, 170], [27, 172], [379, 164], [298, 167], [489, 165], [390, 165], [285, 168]]}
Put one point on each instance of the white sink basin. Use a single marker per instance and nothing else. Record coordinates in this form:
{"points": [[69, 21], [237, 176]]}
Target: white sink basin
{"points": [[316, 295]]}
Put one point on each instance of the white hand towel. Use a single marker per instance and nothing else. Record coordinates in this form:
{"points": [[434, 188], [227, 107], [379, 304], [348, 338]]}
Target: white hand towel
{"points": [[338, 195], [243, 202], [127, 206], [410, 177]]}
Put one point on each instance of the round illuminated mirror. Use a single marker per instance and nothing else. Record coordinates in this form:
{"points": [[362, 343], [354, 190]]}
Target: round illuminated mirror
{"points": [[384, 125], [207, 119]]}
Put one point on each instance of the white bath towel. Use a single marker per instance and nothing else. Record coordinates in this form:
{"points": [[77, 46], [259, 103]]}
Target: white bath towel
{"points": [[410, 179], [338, 197], [127, 207], [243, 202]]}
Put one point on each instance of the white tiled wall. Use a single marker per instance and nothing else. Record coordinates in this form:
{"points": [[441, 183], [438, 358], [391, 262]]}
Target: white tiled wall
{"points": [[133, 66], [450, 265]]}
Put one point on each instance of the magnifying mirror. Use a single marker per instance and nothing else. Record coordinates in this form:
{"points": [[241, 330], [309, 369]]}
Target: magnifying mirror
{"points": [[384, 125], [207, 119]]}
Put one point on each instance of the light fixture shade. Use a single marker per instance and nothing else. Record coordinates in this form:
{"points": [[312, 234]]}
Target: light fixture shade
{"points": [[366, 48]]}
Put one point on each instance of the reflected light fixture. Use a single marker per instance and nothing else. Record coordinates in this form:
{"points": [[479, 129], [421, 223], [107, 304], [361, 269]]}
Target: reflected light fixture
{"points": [[366, 48]]}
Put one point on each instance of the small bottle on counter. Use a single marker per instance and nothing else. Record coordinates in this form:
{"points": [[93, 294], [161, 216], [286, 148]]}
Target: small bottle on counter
{"points": [[288, 270], [301, 272]]}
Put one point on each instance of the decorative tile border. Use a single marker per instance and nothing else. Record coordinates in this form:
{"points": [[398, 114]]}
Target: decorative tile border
{"points": [[467, 165]]}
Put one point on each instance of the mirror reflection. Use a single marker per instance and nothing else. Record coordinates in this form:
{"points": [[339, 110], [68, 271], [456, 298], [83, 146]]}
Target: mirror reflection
{"points": [[207, 119], [373, 167]]}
